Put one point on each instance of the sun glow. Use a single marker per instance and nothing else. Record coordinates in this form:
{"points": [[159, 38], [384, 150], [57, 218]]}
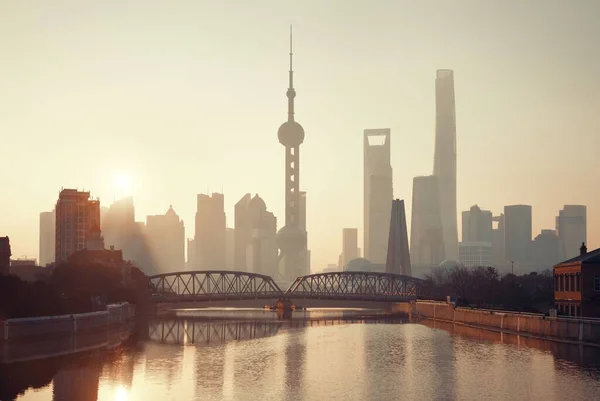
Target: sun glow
{"points": [[122, 185], [121, 394]]}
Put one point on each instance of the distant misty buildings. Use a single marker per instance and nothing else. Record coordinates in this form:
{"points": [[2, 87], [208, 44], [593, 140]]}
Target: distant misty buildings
{"points": [[76, 214], [210, 234], [476, 248], [505, 241], [47, 238], [517, 235], [398, 257], [426, 236], [122, 232], [350, 248], [166, 239], [571, 226], [378, 194], [255, 236], [444, 166], [434, 233]]}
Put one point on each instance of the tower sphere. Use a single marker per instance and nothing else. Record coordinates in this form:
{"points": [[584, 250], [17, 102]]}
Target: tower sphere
{"points": [[291, 239], [290, 134]]}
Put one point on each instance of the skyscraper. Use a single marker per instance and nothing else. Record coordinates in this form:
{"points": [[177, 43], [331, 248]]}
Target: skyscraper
{"points": [[444, 167], [378, 194], [498, 251], [517, 235], [255, 237], [426, 235], [571, 226], [476, 225], [546, 250], [122, 232], [229, 249], [261, 250], [210, 232], [291, 239], [166, 236], [349, 245], [398, 257], [190, 263], [47, 237], [75, 216]]}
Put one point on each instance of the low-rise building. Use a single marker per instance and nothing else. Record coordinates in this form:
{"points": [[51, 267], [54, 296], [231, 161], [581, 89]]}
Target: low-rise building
{"points": [[577, 285]]}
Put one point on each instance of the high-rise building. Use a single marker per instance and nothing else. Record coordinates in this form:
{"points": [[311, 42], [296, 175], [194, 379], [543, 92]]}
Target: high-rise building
{"points": [[398, 257], [517, 236], [571, 226], [47, 237], [498, 252], [243, 232], [445, 158], [230, 249], [166, 237], [261, 250], [349, 245], [255, 237], [477, 225], [190, 262], [210, 232], [122, 232], [75, 215], [291, 238], [546, 250], [5, 255], [378, 193], [426, 234]]}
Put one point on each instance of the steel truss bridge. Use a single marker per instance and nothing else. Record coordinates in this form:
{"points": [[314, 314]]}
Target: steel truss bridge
{"points": [[221, 285]]}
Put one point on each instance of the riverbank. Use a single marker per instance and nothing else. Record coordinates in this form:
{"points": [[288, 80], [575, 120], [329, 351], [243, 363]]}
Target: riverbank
{"points": [[44, 326], [572, 330]]}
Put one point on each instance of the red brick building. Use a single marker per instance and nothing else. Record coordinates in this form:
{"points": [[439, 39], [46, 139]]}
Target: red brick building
{"points": [[577, 285]]}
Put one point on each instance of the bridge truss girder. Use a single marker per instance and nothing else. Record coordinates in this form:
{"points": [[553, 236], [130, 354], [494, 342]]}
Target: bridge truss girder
{"points": [[360, 286]]}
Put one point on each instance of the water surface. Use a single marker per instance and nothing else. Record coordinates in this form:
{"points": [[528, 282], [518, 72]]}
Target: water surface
{"points": [[225, 354]]}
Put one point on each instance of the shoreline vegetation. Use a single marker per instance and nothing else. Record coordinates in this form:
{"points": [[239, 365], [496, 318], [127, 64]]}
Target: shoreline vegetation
{"points": [[72, 288]]}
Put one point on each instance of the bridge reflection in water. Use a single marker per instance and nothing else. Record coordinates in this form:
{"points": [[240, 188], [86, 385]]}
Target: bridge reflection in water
{"points": [[188, 331]]}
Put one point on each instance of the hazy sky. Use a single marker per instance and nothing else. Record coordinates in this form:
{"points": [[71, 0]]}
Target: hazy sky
{"points": [[187, 96]]}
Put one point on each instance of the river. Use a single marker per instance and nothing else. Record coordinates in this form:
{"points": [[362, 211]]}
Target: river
{"points": [[317, 355]]}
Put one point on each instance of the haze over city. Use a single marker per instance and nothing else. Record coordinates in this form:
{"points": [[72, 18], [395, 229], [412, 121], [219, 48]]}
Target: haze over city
{"points": [[165, 102]]}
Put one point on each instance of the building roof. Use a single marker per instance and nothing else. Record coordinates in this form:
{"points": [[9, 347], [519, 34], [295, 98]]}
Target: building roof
{"points": [[589, 257]]}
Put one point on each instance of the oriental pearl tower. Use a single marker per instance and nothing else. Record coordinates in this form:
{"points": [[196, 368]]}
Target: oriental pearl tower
{"points": [[291, 239]]}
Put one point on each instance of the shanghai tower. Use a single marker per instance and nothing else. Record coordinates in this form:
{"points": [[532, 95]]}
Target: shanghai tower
{"points": [[444, 164]]}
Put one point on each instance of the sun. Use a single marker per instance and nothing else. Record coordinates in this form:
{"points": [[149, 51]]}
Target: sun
{"points": [[122, 184]]}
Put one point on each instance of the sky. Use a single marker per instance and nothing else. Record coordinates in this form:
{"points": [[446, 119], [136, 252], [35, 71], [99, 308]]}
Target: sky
{"points": [[185, 97]]}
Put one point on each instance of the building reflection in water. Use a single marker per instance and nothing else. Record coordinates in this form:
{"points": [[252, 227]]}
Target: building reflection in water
{"points": [[536, 375], [78, 382]]}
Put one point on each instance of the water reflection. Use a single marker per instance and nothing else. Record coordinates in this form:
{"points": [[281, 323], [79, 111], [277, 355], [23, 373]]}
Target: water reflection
{"points": [[207, 357]]}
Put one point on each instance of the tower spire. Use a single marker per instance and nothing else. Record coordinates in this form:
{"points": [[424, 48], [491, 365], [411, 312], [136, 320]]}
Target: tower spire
{"points": [[291, 92]]}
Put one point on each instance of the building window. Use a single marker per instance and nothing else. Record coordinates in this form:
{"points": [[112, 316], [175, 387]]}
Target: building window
{"points": [[577, 285], [597, 283]]}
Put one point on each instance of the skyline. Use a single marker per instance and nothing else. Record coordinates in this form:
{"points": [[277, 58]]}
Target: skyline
{"points": [[515, 113]]}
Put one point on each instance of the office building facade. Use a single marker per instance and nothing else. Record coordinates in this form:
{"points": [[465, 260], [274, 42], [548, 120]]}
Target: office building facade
{"points": [[378, 193]]}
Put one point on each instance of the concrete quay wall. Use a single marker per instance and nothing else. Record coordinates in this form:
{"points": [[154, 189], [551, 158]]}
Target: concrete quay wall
{"points": [[572, 329], [43, 326]]}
